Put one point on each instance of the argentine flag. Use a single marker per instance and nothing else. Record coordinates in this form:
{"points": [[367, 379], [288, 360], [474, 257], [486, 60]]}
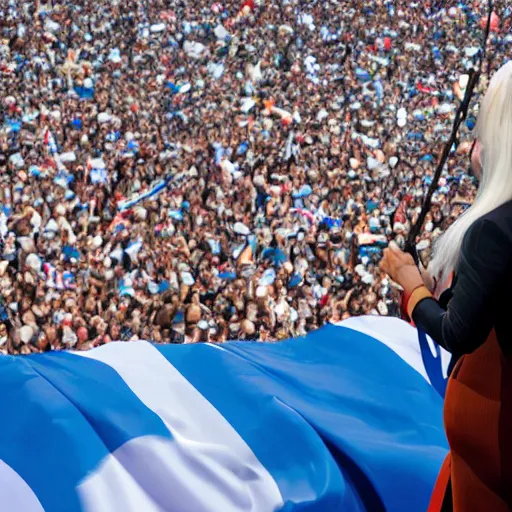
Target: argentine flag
{"points": [[348, 418], [152, 193], [50, 142]]}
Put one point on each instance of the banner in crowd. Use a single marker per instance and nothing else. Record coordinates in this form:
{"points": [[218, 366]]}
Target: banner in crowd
{"points": [[344, 419]]}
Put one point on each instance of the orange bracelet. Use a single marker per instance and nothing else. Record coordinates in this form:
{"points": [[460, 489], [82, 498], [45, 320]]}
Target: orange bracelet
{"points": [[415, 298], [405, 301]]}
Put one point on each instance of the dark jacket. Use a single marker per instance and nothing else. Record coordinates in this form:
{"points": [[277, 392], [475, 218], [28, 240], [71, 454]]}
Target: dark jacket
{"points": [[480, 298], [475, 327]]}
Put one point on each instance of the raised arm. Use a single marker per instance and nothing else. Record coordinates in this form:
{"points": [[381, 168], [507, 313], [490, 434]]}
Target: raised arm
{"points": [[482, 270]]}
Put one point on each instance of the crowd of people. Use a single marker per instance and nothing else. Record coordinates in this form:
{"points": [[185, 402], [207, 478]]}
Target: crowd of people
{"points": [[189, 171]]}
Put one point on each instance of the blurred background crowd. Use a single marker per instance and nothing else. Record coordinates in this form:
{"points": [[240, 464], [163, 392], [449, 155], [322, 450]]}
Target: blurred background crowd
{"points": [[185, 171]]}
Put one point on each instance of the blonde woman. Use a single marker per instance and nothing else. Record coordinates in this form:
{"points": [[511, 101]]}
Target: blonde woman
{"points": [[474, 323]]}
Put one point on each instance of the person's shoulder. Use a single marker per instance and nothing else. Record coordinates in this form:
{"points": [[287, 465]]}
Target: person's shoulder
{"points": [[491, 232], [498, 220], [502, 213]]}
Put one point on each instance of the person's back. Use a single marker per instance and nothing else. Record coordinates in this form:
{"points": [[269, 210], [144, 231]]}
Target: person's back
{"points": [[500, 311], [478, 405]]}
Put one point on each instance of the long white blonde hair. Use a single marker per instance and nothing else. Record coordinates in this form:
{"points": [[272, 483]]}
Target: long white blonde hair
{"points": [[494, 131]]}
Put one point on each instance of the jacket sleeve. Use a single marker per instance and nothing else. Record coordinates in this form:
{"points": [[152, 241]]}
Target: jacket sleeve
{"points": [[469, 318]]}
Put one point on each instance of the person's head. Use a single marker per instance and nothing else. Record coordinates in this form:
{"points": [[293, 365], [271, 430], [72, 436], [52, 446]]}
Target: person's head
{"points": [[115, 331], [494, 134], [82, 334]]}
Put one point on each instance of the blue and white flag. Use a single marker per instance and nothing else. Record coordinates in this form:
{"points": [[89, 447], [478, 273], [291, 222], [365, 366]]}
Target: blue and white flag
{"points": [[50, 142], [98, 170], [149, 194], [345, 419], [53, 149]]}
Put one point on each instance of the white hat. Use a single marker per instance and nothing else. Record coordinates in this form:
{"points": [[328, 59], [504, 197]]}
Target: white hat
{"points": [[60, 209], [259, 180], [185, 87], [445, 108], [402, 113], [354, 163], [241, 229], [187, 279], [52, 226], [424, 244], [360, 270], [261, 291], [34, 262], [140, 213], [153, 288], [104, 117], [367, 279], [393, 161], [26, 333], [372, 163]]}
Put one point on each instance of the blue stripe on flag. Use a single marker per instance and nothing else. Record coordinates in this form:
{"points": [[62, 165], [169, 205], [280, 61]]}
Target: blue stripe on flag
{"points": [[116, 416], [70, 412], [432, 363], [146, 195], [48, 457]]}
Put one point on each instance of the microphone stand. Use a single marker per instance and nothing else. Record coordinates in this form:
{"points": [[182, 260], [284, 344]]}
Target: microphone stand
{"points": [[460, 116]]}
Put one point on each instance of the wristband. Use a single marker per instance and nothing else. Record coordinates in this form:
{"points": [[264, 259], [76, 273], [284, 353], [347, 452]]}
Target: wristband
{"points": [[415, 298], [405, 300]]}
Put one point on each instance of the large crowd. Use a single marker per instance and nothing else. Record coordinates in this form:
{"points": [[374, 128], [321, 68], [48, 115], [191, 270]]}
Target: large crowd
{"points": [[185, 171]]}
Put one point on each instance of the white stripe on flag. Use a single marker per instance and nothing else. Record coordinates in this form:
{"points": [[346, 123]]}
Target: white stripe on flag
{"points": [[399, 336], [15, 494], [207, 466], [114, 485]]}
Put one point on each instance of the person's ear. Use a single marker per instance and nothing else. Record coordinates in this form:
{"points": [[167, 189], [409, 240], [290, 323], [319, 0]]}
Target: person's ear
{"points": [[475, 157]]}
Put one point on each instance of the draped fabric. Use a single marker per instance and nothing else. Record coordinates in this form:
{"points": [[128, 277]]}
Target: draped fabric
{"points": [[345, 419]]}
